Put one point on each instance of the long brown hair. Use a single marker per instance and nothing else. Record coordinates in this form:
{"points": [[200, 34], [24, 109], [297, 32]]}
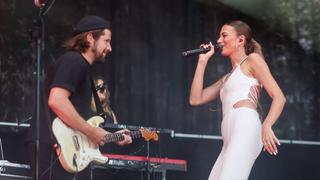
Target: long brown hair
{"points": [[244, 29], [105, 104], [80, 43]]}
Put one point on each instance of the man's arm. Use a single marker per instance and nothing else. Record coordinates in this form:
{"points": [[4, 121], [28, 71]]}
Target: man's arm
{"points": [[60, 104]]}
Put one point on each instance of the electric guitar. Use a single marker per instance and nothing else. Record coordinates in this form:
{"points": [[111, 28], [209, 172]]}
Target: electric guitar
{"points": [[75, 150]]}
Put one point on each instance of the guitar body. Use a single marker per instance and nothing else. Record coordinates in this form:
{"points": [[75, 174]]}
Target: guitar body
{"points": [[75, 150]]}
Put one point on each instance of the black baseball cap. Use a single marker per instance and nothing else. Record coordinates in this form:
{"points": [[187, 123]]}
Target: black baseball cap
{"points": [[89, 23]]}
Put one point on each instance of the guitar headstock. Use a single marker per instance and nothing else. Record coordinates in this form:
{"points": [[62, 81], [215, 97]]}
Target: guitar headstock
{"points": [[149, 135]]}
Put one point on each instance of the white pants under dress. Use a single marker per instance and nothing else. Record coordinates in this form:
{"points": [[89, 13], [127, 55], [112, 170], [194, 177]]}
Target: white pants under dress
{"points": [[241, 133]]}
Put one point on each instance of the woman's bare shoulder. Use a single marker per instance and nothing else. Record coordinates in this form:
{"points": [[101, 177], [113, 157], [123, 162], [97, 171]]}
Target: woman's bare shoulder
{"points": [[255, 59]]}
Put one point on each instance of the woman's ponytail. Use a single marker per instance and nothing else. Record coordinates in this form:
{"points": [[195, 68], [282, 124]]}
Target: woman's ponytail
{"points": [[254, 47]]}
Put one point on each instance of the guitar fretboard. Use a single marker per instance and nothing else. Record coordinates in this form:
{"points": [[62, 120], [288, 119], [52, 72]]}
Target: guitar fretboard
{"points": [[114, 137]]}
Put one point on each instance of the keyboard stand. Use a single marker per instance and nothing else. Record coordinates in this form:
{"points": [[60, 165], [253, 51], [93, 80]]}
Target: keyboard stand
{"points": [[142, 164], [162, 171]]}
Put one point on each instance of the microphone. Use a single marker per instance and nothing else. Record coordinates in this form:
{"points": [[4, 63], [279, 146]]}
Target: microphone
{"points": [[200, 50]]}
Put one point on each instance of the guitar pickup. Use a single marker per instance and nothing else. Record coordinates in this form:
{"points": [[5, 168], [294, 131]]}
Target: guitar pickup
{"points": [[76, 142]]}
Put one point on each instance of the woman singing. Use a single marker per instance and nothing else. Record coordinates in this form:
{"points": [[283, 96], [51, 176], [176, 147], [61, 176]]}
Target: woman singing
{"points": [[239, 90]]}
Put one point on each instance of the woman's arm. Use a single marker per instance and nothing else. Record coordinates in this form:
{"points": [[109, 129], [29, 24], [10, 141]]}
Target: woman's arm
{"points": [[261, 72], [198, 94]]}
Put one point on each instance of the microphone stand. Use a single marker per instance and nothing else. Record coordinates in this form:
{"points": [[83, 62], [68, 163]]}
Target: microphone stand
{"points": [[38, 35]]}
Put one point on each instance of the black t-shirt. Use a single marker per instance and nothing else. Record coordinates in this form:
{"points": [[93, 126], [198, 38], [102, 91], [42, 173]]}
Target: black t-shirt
{"points": [[71, 72]]}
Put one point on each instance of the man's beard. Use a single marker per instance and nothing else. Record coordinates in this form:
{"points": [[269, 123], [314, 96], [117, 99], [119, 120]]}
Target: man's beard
{"points": [[99, 57]]}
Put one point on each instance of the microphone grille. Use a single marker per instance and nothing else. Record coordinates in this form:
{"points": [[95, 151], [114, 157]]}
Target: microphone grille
{"points": [[217, 46]]}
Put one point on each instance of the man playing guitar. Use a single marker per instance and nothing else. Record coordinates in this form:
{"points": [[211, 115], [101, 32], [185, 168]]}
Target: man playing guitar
{"points": [[68, 82]]}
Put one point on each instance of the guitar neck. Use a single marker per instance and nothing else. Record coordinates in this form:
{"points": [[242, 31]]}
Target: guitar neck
{"points": [[114, 137]]}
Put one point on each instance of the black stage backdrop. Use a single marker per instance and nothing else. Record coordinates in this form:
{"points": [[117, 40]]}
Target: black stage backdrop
{"points": [[150, 80]]}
